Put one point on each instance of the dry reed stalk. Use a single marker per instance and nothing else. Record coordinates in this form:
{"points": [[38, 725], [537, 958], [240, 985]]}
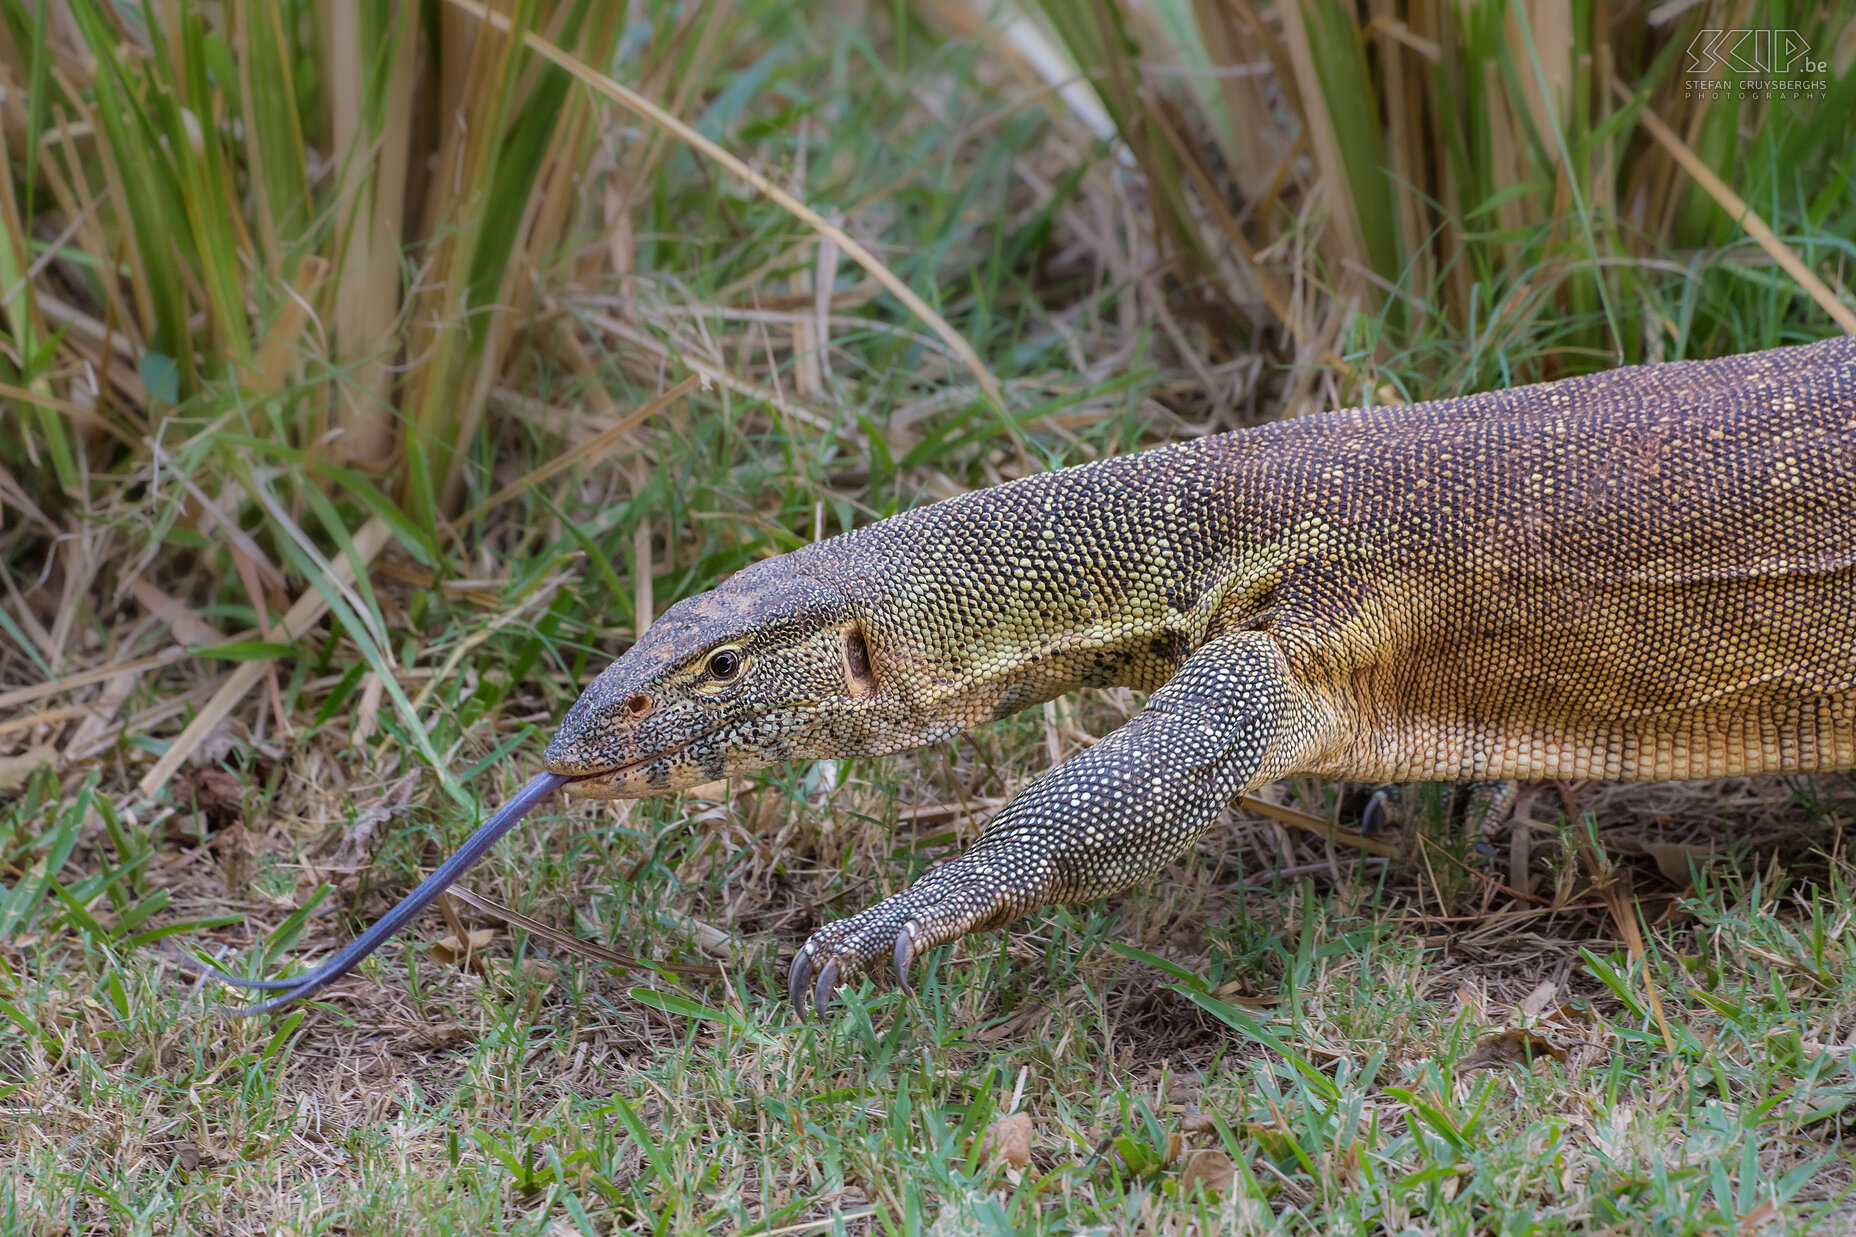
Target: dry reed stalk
{"points": [[637, 103], [1257, 143], [372, 165], [1343, 218], [1552, 26], [1404, 108]]}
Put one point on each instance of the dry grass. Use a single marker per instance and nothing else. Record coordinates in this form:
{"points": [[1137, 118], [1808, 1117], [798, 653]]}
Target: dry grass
{"points": [[1330, 1024]]}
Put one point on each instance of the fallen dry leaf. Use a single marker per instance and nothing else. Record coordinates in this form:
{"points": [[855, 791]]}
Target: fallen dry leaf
{"points": [[536, 970], [450, 950], [1212, 1170], [218, 795], [437, 1038], [1198, 1123], [1233, 994], [14, 770], [1540, 999], [713, 792], [1758, 1218], [535, 976], [1009, 1139], [1015, 1027], [344, 853], [1569, 1012], [1673, 860], [187, 1156], [1515, 1046]]}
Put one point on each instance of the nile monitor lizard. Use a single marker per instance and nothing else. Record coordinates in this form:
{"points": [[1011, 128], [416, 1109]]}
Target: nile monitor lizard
{"points": [[1642, 574]]}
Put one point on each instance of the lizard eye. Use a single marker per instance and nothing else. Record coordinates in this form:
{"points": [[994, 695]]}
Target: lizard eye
{"points": [[724, 664]]}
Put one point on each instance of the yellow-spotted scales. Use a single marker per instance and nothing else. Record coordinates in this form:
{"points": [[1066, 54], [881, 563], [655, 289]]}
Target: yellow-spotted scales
{"points": [[1642, 574]]}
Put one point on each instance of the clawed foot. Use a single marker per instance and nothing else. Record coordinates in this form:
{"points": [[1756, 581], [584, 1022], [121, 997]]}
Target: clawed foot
{"points": [[942, 907]]}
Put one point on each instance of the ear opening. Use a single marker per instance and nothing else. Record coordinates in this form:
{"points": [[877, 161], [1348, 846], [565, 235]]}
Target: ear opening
{"points": [[857, 671]]}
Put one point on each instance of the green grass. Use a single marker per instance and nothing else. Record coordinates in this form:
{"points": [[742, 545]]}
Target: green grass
{"points": [[431, 1099], [1319, 1026]]}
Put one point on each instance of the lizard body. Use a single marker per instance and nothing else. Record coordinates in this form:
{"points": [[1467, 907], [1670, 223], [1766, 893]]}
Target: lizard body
{"points": [[1648, 573]]}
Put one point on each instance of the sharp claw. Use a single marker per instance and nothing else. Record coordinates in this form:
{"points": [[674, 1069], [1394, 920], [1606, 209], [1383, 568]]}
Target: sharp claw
{"points": [[905, 953], [827, 982], [1373, 819], [799, 979]]}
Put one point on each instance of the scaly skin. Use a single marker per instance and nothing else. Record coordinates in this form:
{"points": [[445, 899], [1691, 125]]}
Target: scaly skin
{"points": [[1642, 574]]}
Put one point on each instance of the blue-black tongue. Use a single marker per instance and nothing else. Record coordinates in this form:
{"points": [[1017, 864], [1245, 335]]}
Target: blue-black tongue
{"points": [[296, 988]]}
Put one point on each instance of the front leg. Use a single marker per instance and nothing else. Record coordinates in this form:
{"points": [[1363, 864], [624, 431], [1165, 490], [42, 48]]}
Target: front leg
{"points": [[1104, 819]]}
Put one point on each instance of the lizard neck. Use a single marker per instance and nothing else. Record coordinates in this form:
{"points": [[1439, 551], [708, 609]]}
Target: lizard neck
{"points": [[1107, 574]]}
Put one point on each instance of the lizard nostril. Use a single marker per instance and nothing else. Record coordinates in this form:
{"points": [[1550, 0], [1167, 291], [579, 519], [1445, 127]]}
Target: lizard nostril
{"points": [[638, 705]]}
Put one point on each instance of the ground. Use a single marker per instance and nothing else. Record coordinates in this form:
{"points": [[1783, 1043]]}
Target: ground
{"points": [[1373, 1047]]}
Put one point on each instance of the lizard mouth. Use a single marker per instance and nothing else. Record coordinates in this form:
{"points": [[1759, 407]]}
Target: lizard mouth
{"points": [[608, 783]]}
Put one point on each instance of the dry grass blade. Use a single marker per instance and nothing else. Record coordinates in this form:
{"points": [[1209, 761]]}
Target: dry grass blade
{"points": [[277, 355], [43, 400], [709, 372], [47, 717], [590, 451], [1518, 894], [1615, 892], [812, 1226], [1319, 827], [368, 542], [573, 944], [1742, 214], [70, 682], [372, 152], [187, 626], [636, 102], [26, 695]]}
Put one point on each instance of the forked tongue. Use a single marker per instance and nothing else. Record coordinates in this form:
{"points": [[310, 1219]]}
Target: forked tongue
{"points": [[296, 988]]}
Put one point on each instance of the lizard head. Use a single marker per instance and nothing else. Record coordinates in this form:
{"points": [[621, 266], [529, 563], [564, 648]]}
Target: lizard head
{"points": [[772, 665]]}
